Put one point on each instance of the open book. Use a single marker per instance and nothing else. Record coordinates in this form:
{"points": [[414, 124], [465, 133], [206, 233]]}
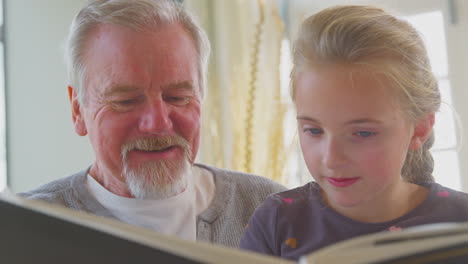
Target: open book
{"points": [[445, 243], [38, 232]]}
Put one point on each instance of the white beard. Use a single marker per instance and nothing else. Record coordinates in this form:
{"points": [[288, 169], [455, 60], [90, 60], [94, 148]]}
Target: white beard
{"points": [[157, 179]]}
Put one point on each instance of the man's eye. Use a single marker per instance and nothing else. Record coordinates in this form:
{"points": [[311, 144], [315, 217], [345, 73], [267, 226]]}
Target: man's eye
{"points": [[126, 102], [365, 134], [177, 100], [313, 131]]}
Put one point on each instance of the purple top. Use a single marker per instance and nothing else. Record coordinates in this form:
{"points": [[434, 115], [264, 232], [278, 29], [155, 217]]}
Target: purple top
{"points": [[297, 222]]}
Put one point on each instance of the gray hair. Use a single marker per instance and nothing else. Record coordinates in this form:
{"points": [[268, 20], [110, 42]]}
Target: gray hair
{"points": [[366, 35], [137, 15]]}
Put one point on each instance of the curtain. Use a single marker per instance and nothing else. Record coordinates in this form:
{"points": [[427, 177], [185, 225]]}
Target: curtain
{"points": [[244, 109]]}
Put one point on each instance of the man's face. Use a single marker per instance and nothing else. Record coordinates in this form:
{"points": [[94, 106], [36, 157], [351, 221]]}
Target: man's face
{"points": [[142, 109]]}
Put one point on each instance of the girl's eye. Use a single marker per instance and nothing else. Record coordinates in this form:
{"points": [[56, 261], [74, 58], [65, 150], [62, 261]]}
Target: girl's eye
{"points": [[365, 134], [313, 131]]}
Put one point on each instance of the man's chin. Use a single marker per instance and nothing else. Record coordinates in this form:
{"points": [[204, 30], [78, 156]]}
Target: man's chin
{"points": [[157, 180]]}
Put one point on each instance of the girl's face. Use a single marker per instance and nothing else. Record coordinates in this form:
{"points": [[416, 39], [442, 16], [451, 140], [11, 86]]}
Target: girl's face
{"points": [[353, 135]]}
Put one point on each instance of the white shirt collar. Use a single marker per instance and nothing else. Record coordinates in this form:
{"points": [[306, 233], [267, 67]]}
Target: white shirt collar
{"points": [[175, 215]]}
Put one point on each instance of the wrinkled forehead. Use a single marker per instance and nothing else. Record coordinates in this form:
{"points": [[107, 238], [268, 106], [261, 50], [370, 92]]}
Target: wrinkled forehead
{"points": [[117, 55]]}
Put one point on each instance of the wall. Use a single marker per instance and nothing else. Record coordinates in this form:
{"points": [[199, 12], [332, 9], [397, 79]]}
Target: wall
{"points": [[42, 145]]}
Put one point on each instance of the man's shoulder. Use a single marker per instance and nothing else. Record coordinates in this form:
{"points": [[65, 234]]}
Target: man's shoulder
{"points": [[237, 196], [244, 181], [54, 191]]}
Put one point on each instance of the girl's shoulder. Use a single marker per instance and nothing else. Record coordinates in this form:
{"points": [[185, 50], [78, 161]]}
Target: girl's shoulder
{"points": [[295, 199], [298, 194], [446, 201], [445, 193]]}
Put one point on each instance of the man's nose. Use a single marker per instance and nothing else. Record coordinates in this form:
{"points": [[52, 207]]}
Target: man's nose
{"points": [[334, 156], [156, 117]]}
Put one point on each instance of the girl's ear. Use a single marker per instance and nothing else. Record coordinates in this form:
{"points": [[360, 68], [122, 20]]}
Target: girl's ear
{"points": [[422, 131], [77, 115]]}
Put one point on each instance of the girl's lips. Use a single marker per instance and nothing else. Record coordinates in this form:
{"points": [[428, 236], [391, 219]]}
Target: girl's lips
{"points": [[342, 182]]}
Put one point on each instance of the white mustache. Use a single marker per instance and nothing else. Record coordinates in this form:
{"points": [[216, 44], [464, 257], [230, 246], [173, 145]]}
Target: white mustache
{"points": [[156, 143]]}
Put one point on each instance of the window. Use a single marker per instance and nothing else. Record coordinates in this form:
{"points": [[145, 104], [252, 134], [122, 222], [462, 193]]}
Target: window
{"points": [[446, 163]]}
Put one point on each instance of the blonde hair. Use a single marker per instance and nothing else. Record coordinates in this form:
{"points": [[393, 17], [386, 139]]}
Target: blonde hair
{"points": [[138, 15], [365, 35]]}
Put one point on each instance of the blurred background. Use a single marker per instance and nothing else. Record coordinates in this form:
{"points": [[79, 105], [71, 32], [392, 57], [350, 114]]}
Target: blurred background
{"points": [[248, 117]]}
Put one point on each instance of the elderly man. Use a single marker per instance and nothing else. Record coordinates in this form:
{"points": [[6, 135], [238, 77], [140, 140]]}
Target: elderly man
{"points": [[137, 74]]}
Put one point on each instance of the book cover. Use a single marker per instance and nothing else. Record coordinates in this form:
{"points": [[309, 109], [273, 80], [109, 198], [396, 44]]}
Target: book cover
{"points": [[38, 232]]}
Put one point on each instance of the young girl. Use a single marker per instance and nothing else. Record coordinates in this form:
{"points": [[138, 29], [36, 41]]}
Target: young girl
{"points": [[365, 98]]}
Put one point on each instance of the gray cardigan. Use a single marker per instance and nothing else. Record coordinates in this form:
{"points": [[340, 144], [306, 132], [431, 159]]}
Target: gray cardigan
{"points": [[237, 196]]}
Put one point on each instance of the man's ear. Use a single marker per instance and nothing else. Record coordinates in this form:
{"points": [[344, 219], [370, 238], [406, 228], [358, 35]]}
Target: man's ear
{"points": [[422, 131], [77, 115]]}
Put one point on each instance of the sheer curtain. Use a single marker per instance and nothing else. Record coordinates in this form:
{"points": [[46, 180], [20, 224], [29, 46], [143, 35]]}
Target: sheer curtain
{"points": [[243, 111]]}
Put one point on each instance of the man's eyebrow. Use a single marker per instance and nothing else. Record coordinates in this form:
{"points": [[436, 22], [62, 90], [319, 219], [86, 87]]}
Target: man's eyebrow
{"points": [[119, 90], [184, 85]]}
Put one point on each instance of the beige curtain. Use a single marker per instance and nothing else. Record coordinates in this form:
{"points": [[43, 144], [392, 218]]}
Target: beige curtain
{"points": [[243, 112]]}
